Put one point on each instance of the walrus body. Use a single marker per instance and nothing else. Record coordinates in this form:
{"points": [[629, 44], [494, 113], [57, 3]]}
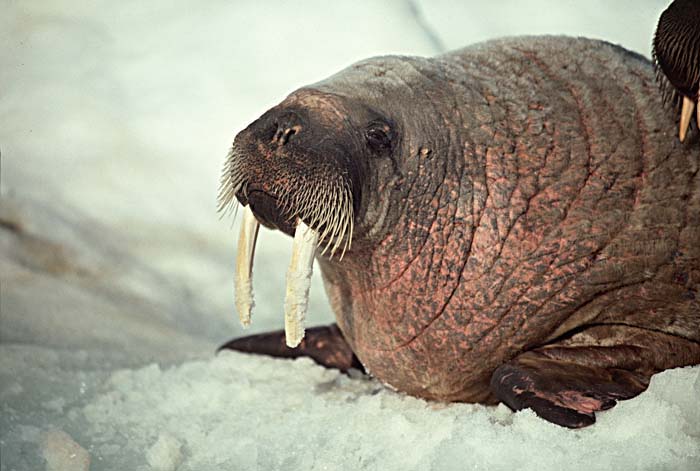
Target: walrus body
{"points": [[526, 228]]}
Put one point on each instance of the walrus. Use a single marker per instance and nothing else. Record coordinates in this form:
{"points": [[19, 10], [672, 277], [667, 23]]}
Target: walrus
{"points": [[676, 53], [513, 221]]}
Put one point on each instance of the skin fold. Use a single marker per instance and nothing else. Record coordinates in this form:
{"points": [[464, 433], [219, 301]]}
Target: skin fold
{"points": [[526, 226]]}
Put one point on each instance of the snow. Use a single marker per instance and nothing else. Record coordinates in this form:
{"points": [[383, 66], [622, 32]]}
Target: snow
{"points": [[243, 412], [117, 274]]}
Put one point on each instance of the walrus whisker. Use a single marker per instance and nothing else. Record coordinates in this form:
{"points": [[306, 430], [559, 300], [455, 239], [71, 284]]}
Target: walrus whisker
{"points": [[345, 222], [322, 212], [326, 221], [230, 182], [332, 220], [340, 219], [338, 202], [307, 211], [341, 241], [327, 208], [343, 212], [348, 216], [337, 236], [286, 206]]}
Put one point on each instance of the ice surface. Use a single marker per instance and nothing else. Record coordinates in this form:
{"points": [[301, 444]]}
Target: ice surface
{"points": [[117, 275], [243, 412]]}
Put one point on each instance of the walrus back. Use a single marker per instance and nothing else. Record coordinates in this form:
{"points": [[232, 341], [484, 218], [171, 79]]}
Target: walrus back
{"points": [[603, 202]]}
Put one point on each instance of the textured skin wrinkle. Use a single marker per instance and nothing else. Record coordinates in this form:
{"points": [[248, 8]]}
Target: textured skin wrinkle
{"points": [[652, 169], [434, 200], [531, 56], [445, 304], [422, 244]]}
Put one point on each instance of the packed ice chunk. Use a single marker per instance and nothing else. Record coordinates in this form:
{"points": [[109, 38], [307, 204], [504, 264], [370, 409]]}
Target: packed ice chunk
{"points": [[165, 454], [62, 453]]}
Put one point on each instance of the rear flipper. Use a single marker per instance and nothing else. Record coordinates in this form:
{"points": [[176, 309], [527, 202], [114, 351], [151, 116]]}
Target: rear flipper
{"points": [[567, 382], [563, 392], [325, 345]]}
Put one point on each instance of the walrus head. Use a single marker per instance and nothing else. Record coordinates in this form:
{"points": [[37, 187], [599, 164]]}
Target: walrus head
{"points": [[322, 166], [298, 163]]}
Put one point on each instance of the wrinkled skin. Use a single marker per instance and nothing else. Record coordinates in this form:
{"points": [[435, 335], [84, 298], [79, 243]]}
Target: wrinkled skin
{"points": [[528, 231]]}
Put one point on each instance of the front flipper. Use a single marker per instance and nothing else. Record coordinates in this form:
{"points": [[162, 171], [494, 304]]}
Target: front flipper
{"points": [[563, 392], [567, 382], [325, 345]]}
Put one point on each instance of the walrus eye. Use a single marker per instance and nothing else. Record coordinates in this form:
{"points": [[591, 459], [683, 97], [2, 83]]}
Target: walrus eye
{"points": [[379, 137]]}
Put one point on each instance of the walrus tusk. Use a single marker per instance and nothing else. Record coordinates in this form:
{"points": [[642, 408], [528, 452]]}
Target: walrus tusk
{"points": [[686, 113], [298, 282], [244, 266]]}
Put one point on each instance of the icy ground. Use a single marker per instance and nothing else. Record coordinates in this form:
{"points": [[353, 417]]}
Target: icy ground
{"points": [[241, 412], [116, 273]]}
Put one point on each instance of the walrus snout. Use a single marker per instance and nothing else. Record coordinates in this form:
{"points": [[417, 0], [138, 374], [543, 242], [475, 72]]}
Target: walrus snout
{"points": [[294, 164]]}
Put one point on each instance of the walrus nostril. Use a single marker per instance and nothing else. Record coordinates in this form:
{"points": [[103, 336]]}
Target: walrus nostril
{"points": [[282, 135], [287, 133], [287, 126]]}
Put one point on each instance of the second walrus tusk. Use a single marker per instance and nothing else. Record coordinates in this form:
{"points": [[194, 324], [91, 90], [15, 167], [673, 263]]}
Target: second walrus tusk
{"points": [[686, 113]]}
